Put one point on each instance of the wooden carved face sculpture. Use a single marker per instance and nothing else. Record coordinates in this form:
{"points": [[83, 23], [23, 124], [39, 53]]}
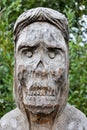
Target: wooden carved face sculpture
{"points": [[42, 68]]}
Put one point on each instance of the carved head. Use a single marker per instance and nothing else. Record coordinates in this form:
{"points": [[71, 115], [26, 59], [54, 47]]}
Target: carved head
{"points": [[41, 61]]}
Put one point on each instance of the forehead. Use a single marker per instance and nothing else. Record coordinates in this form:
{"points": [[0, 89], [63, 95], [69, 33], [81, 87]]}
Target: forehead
{"points": [[41, 31]]}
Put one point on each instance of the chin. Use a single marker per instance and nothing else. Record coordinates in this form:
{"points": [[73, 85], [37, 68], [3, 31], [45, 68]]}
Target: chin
{"points": [[40, 110]]}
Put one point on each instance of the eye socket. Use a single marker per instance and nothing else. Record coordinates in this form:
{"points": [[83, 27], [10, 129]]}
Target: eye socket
{"points": [[28, 53], [53, 52], [52, 55]]}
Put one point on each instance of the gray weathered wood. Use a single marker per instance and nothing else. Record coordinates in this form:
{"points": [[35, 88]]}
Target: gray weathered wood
{"points": [[41, 75]]}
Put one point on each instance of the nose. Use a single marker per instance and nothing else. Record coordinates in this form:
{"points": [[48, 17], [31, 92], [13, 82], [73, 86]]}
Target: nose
{"points": [[40, 66]]}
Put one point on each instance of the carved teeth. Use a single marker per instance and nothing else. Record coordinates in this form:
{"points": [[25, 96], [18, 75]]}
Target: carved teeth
{"points": [[34, 93], [53, 92], [49, 93], [38, 92], [41, 93]]}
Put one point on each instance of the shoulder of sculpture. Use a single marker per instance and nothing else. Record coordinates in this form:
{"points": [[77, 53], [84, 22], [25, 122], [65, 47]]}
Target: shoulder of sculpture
{"points": [[76, 117], [74, 112], [71, 119], [12, 120]]}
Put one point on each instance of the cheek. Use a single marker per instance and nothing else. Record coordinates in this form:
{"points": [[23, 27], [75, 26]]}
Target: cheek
{"points": [[60, 58], [57, 63], [29, 63]]}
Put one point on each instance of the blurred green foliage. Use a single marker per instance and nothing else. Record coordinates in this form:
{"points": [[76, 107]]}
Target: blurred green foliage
{"points": [[9, 11]]}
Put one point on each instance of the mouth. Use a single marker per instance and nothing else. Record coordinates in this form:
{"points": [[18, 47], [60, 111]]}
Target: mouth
{"points": [[40, 91], [40, 96]]}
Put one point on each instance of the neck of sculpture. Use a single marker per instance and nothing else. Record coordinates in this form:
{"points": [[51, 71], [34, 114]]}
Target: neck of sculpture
{"points": [[41, 121]]}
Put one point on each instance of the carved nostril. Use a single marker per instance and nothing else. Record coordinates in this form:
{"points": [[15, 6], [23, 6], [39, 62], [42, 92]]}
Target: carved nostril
{"points": [[40, 65]]}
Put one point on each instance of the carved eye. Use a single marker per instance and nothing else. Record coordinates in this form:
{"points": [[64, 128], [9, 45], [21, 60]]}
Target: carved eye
{"points": [[28, 54], [52, 55]]}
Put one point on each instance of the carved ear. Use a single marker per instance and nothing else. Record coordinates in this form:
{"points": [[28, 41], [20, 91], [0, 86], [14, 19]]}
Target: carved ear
{"points": [[17, 91], [18, 97]]}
